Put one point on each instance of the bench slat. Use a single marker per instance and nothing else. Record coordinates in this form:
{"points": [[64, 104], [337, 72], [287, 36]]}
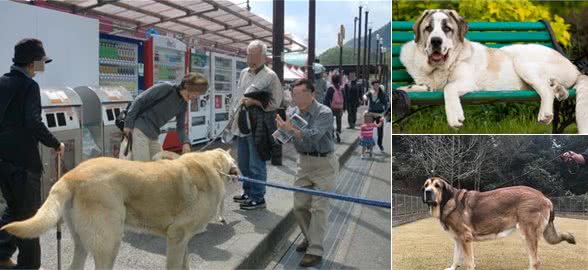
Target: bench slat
{"points": [[482, 26], [396, 50], [479, 97], [503, 37], [396, 64], [401, 76]]}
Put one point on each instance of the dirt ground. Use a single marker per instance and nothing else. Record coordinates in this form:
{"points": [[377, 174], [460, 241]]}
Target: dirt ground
{"points": [[424, 245]]}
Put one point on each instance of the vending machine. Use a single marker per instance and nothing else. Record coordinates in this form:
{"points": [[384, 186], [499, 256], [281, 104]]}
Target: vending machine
{"points": [[200, 123], [223, 83], [121, 63], [165, 61]]}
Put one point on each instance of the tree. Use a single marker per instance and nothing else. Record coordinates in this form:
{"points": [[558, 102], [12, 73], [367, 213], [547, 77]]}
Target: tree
{"points": [[489, 162]]}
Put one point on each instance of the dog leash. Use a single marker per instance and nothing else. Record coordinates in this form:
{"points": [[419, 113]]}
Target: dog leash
{"points": [[332, 195], [58, 236], [227, 129], [530, 171]]}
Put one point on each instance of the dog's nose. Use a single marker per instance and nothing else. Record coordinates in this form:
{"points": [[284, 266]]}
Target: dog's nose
{"points": [[428, 196], [436, 42]]}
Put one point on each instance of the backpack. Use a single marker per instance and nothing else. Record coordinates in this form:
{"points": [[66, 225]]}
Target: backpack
{"points": [[122, 116], [337, 101]]}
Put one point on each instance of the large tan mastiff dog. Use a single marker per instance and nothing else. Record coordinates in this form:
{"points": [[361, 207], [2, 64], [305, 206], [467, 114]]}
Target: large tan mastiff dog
{"points": [[470, 216], [175, 199]]}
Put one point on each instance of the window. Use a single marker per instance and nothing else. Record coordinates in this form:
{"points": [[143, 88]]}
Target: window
{"points": [[61, 119], [109, 114], [116, 112], [50, 120]]}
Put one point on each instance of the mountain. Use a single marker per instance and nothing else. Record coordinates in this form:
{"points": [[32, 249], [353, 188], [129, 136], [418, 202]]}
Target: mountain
{"points": [[384, 31], [331, 56]]}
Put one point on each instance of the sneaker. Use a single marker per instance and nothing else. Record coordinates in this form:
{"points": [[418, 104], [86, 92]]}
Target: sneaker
{"points": [[381, 148], [252, 205], [241, 198], [338, 138]]}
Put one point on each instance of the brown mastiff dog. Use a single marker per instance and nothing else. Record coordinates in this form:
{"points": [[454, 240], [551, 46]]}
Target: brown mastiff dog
{"points": [[470, 216]]}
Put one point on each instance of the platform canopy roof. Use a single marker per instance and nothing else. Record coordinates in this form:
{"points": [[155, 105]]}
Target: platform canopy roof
{"points": [[210, 23]]}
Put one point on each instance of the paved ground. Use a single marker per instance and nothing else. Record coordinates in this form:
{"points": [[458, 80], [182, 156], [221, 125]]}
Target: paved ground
{"points": [[423, 245], [245, 242], [358, 236]]}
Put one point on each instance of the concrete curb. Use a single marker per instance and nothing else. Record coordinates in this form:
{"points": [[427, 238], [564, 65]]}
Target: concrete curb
{"points": [[262, 252]]}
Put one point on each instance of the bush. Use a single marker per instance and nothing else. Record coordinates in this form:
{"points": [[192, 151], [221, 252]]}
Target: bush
{"points": [[487, 10]]}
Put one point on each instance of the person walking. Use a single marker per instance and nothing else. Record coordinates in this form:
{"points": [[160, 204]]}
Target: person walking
{"points": [[335, 99], [353, 98], [378, 102]]}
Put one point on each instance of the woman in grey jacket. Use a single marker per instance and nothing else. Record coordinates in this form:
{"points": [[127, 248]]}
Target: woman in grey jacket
{"points": [[155, 107]]}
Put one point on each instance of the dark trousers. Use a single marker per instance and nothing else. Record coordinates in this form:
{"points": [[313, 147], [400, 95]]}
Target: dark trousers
{"points": [[337, 113], [351, 115], [22, 192], [276, 147], [381, 135]]}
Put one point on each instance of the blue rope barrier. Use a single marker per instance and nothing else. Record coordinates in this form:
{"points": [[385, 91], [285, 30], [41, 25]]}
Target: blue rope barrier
{"points": [[331, 195]]}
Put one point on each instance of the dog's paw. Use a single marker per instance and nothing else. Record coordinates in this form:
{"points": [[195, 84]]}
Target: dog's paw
{"points": [[455, 121], [545, 118]]}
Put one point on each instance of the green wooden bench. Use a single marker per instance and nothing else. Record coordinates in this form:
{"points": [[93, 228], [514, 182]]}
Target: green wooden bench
{"points": [[494, 35]]}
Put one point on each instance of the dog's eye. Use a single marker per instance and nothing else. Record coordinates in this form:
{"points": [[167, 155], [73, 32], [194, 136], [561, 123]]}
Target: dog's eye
{"points": [[446, 29], [437, 185], [429, 28]]}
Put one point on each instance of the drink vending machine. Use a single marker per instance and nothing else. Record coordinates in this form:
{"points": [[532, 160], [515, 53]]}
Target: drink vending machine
{"points": [[200, 115], [121, 63], [165, 61]]}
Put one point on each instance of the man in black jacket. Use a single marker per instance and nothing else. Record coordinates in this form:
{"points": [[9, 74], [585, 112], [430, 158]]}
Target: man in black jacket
{"points": [[353, 99], [21, 129]]}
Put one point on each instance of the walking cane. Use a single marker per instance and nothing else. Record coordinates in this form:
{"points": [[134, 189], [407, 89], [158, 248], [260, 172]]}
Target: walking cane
{"points": [[59, 156]]}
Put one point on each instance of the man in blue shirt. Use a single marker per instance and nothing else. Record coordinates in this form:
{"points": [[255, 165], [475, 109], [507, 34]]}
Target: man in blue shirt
{"points": [[318, 167]]}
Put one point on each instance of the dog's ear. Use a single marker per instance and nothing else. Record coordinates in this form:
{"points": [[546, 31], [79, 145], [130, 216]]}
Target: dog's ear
{"points": [[447, 191], [416, 27], [462, 25]]}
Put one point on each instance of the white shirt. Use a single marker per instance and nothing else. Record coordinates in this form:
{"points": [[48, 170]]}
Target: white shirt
{"points": [[265, 80]]}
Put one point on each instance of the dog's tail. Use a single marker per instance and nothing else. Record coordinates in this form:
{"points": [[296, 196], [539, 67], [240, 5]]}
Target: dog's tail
{"points": [[46, 217], [582, 103], [552, 236]]}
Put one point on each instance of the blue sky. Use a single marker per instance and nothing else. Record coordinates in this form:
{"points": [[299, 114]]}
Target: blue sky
{"points": [[330, 14]]}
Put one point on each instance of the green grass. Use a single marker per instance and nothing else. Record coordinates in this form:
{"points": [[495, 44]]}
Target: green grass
{"points": [[498, 118], [424, 245]]}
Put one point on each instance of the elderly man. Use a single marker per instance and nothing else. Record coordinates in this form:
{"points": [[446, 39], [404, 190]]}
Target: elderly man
{"points": [[317, 168], [258, 98]]}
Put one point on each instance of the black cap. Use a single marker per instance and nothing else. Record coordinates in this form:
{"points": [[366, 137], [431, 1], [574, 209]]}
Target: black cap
{"points": [[28, 50]]}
